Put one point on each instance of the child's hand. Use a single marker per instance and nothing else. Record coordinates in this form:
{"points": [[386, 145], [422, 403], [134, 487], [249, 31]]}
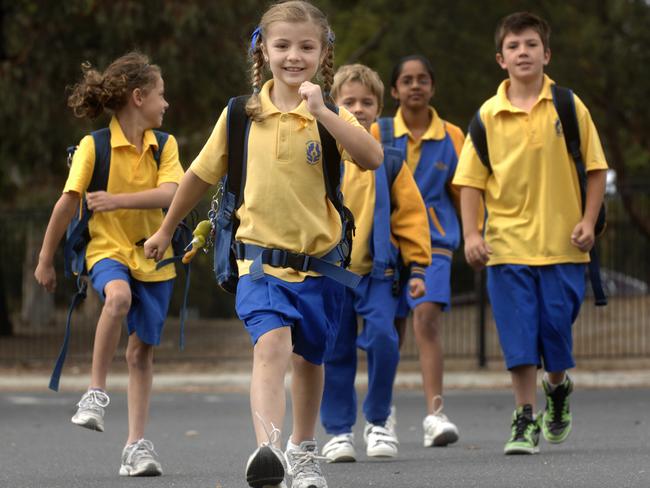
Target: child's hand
{"points": [[477, 252], [311, 93], [101, 201], [46, 275], [417, 288], [156, 245], [583, 236]]}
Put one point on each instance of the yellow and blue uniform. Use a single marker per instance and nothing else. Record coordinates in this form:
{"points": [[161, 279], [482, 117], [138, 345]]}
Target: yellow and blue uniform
{"points": [[532, 197], [112, 252], [389, 221], [285, 206], [432, 159]]}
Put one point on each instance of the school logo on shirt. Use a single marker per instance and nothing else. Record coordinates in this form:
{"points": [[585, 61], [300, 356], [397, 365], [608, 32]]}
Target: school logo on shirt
{"points": [[558, 127], [441, 166], [313, 151]]}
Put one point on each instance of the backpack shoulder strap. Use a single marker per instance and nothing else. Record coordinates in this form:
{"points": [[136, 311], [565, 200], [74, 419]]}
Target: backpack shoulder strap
{"points": [[386, 131], [331, 162], [479, 139], [161, 139], [566, 111], [238, 125], [102, 140]]}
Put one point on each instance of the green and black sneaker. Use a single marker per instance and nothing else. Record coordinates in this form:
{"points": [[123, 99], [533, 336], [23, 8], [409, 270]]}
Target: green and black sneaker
{"points": [[556, 419], [525, 432]]}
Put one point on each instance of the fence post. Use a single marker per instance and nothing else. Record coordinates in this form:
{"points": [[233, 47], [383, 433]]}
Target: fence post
{"points": [[481, 293]]}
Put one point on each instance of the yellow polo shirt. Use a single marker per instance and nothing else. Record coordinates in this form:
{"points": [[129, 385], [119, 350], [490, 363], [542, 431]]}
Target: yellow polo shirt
{"points": [[437, 130], [285, 205], [533, 194], [114, 234], [358, 188]]}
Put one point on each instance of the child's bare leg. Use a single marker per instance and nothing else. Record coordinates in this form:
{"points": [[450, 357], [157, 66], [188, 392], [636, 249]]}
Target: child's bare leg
{"points": [[139, 358], [524, 384], [556, 377], [400, 325], [107, 336], [306, 393], [427, 324], [271, 357]]}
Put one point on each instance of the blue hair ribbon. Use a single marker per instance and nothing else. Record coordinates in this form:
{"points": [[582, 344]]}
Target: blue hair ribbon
{"points": [[255, 37], [330, 36]]}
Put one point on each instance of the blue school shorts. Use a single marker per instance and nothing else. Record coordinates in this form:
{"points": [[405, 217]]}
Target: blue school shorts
{"points": [[534, 308], [437, 278], [312, 308], [149, 299]]}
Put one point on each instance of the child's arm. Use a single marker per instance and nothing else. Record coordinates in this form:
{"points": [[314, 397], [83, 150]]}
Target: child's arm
{"points": [[583, 233], [477, 252], [62, 214], [190, 191], [161, 197], [360, 145], [410, 225]]}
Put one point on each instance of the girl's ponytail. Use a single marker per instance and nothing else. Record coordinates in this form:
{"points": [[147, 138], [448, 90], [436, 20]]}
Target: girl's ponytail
{"points": [[111, 89]]}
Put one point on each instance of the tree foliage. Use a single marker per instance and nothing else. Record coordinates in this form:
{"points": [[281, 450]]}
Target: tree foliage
{"points": [[599, 49]]}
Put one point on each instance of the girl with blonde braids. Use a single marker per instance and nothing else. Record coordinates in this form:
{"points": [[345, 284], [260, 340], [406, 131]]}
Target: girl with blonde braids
{"points": [[291, 315]]}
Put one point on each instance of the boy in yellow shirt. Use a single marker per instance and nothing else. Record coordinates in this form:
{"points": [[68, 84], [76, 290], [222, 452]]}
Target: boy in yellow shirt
{"points": [[537, 238]]}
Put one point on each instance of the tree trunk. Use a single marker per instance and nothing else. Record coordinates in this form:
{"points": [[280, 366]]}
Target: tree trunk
{"points": [[6, 327]]}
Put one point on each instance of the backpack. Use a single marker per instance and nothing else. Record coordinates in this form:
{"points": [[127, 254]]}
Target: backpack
{"points": [[565, 107], [229, 198], [393, 161], [78, 236]]}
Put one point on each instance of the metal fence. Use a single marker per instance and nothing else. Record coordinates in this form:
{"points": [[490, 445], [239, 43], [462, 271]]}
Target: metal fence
{"points": [[620, 330]]}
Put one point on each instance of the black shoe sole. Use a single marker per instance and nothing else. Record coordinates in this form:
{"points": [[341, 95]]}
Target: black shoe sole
{"points": [[264, 469]]}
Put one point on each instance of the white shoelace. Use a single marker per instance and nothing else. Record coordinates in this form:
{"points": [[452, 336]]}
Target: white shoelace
{"points": [[273, 436], [93, 399], [304, 463], [140, 449]]}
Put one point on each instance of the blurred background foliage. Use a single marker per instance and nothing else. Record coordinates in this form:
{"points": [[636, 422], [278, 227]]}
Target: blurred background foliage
{"points": [[600, 49]]}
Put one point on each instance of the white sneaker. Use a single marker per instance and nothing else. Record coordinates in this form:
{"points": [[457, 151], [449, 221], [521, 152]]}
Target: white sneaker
{"points": [[340, 449], [304, 467], [391, 423], [90, 410], [139, 459], [438, 430], [382, 443]]}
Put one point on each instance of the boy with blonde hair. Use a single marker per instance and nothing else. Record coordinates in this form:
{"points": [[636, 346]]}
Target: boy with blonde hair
{"points": [[390, 220]]}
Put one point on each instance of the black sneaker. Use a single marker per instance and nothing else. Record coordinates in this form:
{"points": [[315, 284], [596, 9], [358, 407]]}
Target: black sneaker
{"points": [[557, 418], [525, 432], [265, 467]]}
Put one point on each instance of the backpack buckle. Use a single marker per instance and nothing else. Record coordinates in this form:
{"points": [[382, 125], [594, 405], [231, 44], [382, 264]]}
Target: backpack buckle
{"points": [[278, 258]]}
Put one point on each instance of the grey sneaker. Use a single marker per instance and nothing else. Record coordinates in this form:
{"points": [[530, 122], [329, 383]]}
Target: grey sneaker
{"points": [[304, 467], [90, 410], [138, 459]]}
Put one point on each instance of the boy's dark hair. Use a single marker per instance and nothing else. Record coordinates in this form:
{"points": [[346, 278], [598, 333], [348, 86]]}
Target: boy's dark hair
{"points": [[397, 70], [518, 22]]}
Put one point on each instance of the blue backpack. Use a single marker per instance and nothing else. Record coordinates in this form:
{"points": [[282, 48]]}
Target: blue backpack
{"points": [[230, 195], [78, 237], [566, 110]]}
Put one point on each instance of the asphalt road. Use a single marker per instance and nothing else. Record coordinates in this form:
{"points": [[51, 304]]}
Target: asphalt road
{"points": [[204, 439]]}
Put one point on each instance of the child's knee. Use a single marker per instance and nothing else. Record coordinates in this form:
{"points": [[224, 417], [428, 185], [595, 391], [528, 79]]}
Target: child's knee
{"points": [[274, 346], [139, 355], [118, 300]]}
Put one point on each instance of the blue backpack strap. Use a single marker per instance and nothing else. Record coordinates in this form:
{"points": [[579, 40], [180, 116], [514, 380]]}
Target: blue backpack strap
{"points": [[386, 131], [566, 110], [476, 131], [74, 250], [161, 139]]}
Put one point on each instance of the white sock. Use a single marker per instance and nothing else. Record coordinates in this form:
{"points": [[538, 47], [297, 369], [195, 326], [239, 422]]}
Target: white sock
{"points": [[291, 446]]}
